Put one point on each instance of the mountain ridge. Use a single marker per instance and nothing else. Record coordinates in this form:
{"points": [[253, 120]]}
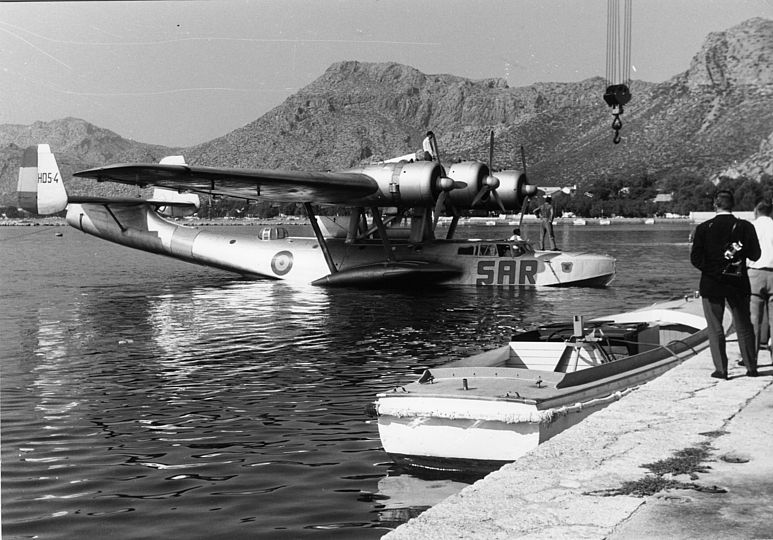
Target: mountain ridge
{"points": [[706, 121]]}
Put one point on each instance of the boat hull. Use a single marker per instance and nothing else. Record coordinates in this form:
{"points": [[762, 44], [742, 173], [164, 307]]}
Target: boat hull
{"points": [[434, 435], [476, 414], [471, 446]]}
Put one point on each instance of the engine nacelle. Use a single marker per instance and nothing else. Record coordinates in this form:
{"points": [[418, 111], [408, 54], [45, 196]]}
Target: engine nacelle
{"points": [[180, 204], [513, 188], [471, 173], [417, 184], [403, 184]]}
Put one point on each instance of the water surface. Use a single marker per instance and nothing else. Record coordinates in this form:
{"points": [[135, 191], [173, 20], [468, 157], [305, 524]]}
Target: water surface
{"points": [[144, 397]]}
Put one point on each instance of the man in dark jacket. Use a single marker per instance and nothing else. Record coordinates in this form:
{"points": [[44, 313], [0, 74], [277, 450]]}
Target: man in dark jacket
{"points": [[719, 250]]}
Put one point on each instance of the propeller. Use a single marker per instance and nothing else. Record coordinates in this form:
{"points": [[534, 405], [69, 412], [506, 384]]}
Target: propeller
{"points": [[444, 184], [490, 183]]}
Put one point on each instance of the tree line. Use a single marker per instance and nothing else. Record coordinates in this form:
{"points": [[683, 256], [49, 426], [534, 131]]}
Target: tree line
{"points": [[690, 193]]}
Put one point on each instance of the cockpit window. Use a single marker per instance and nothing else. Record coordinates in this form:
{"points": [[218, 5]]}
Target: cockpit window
{"points": [[485, 250], [467, 250]]}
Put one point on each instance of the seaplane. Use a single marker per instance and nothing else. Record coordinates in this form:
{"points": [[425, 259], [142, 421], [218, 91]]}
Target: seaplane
{"points": [[388, 240]]}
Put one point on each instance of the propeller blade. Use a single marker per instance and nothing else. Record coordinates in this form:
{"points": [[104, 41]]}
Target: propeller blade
{"points": [[523, 210], [440, 205], [498, 200], [491, 153], [479, 197]]}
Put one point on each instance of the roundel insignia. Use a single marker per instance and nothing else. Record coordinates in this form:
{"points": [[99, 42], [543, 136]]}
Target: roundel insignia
{"points": [[282, 263], [566, 267]]}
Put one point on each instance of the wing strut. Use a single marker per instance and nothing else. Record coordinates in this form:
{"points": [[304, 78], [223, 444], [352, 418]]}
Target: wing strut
{"points": [[112, 215], [382, 232], [320, 238]]}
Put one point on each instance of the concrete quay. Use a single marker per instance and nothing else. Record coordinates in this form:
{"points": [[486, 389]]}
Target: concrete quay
{"points": [[570, 486]]}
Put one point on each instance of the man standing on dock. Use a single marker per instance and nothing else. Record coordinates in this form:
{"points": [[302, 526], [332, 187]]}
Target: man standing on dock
{"points": [[761, 273], [719, 250]]}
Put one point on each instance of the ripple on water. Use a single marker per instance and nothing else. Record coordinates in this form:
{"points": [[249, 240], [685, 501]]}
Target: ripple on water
{"points": [[144, 398]]}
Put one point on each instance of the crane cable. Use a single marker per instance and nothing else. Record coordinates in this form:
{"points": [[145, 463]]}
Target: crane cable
{"points": [[618, 73]]}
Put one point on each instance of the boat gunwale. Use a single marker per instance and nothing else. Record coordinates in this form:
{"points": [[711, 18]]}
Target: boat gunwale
{"points": [[587, 380]]}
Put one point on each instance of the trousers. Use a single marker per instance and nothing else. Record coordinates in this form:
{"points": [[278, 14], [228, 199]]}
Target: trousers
{"points": [[714, 310], [761, 282]]}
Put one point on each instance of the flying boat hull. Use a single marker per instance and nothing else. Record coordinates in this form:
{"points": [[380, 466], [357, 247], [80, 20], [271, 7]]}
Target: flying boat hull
{"points": [[273, 254]]}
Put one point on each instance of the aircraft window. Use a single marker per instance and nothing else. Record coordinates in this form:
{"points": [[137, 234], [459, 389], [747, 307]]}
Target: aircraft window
{"points": [[485, 250], [504, 250], [273, 233], [466, 250]]}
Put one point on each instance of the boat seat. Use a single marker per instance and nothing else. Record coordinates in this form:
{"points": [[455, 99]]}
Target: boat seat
{"points": [[582, 355], [539, 355]]}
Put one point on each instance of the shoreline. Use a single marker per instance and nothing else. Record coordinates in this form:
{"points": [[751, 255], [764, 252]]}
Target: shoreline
{"points": [[570, 486], [474, 221]]}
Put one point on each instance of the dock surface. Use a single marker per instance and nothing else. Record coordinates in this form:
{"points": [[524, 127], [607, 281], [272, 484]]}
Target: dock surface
{"points": [[581, 483]]}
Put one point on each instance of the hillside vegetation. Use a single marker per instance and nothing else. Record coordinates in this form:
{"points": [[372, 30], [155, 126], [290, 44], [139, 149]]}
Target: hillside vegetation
{"points": [[713, 121]]}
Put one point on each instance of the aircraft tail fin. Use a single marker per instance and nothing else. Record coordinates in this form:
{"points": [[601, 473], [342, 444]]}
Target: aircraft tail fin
{"points": [[40, 188]]}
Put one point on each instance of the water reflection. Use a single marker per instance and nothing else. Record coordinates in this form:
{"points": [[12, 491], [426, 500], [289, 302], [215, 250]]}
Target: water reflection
{"points": [[151, 394]]}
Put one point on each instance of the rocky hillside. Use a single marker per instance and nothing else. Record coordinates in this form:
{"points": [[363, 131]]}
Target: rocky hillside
{"points": [[717, 114], [77, 145], [756, 165]]}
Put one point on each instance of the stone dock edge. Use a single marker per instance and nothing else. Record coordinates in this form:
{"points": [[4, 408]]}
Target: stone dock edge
{"points": [[570, 486]]}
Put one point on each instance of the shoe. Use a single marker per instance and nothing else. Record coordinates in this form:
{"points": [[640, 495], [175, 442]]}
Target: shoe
{"points": [[752, 373], [719, 375]]}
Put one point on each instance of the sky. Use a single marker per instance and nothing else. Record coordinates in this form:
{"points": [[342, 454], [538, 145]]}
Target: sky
{"points": [[179, 73]]}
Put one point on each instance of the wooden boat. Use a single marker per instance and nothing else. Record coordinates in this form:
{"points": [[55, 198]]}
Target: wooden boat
{"points": [[477, 413]]}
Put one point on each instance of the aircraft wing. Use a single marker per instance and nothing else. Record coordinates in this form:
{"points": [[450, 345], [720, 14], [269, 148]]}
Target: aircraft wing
{"points": [[266, 184]]}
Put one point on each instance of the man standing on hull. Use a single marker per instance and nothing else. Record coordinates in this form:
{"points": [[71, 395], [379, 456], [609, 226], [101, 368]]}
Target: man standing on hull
{"points": [[720, 249], [545, 212]]}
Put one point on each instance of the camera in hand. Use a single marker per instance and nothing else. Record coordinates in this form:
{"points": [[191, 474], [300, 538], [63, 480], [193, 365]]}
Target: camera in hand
{"points": [[735, 262]]}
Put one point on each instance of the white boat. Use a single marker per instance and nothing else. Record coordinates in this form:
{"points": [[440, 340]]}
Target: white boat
{"points": [[604, 221], [579, 222], [480, 412], [649, 221]]}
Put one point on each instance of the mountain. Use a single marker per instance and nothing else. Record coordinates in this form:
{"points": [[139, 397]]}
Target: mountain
{"points": [[77, 145], [715, 115]]}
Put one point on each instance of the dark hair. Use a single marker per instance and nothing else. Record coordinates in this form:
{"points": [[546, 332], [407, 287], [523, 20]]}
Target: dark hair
{"points": [[724, 200], [763, 208]]}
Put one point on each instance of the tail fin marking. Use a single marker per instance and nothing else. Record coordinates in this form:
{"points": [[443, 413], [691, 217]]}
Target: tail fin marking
{"points": [[41, 188]]}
